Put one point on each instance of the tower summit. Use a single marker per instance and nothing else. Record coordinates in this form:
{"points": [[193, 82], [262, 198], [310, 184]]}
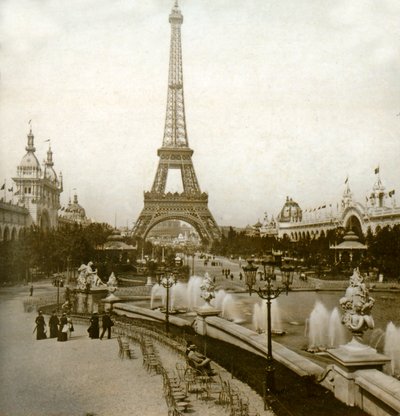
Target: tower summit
{"points": [[191, 205]]}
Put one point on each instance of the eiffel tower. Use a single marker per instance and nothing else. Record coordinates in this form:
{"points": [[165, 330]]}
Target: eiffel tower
{"points": [[191, 205]]}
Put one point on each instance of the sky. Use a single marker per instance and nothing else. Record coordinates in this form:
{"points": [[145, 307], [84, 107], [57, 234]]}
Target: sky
{"points": [[283, 98]]}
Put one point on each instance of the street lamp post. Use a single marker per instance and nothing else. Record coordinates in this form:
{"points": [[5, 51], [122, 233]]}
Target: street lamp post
{"points": [[167, 281], [268, 293], [57, 282]]}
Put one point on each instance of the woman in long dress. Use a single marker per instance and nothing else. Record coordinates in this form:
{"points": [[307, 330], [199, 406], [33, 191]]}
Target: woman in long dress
{"points": [[53, 325], [63, 331], [93, 329], [40, 327]]}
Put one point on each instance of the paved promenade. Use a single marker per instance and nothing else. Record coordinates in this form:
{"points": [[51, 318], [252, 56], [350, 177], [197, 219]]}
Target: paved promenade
{"points": [[78, 377]]}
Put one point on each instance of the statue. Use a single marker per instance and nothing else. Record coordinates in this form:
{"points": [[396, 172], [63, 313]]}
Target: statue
{"points": [[207, 289], [88, 277], [81, 281], [357, 305], [112, 283]]}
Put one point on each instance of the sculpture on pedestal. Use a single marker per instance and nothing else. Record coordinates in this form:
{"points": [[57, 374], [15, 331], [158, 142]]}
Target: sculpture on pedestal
{"points": [[207, 289], [88, 277], [112, 283], [357, 305]]}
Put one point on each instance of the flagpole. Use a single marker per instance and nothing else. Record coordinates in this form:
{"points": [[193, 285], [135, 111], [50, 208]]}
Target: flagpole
{"points": [[5, 190]]}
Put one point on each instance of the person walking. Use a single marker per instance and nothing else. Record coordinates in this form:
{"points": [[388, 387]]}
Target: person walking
{"points": [[40, 326], [31, 290], [70, 326], [107, 323], [93, 329], [63, 328], [53, 325]]}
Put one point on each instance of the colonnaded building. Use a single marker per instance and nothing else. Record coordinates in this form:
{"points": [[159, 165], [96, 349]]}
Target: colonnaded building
{"points": [[34, 197], [377, 211]]}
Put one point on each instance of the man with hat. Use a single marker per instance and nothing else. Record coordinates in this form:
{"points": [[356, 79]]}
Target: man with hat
{"points": [[107, 323], [198, 360]]}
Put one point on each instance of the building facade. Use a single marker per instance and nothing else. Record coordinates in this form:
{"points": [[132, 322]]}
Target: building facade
{"points": [[35, 194], [378, 211]]}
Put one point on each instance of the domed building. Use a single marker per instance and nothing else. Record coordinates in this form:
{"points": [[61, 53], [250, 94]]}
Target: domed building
{"points": [[74, 214], [38, 189], [291, 212]]}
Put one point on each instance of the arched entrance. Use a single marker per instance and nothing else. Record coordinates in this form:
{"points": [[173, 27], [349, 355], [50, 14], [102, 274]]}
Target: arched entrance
{"points": [[168, 223]]}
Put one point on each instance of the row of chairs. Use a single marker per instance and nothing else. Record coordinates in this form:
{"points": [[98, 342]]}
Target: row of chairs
{"points": [[151, 359], [176, 397], [188, 380], [125, 350]]}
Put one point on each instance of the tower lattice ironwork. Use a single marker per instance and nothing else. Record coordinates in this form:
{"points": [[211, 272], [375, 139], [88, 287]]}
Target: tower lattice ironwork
{"points": [[191, 205]]}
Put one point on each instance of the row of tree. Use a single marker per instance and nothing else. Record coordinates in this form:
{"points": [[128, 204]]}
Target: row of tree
{"points": [[382, 253], [50, 251], [69, 246]]}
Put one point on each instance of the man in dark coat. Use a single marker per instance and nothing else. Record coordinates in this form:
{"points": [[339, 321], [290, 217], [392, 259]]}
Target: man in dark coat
{"points": [[94, 326], [40, 327], [53, 325], [107, 323]]}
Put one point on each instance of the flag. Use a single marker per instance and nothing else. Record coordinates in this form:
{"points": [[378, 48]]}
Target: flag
{"points": [[391, 193], [376, 170], [10, 189], [3, 186], [347, 179]]}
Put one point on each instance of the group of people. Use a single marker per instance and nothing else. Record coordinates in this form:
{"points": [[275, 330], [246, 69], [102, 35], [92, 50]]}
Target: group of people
{"points": [[94, 329], [60, 328]]}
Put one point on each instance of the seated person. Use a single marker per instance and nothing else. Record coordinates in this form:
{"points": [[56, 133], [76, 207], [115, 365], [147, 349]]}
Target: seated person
{"points": [[198, 360]]}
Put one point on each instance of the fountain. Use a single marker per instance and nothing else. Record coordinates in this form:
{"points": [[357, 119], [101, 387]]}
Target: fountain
{"points": [[324, 329], [392, 348], [186, 297], [260, 318]]}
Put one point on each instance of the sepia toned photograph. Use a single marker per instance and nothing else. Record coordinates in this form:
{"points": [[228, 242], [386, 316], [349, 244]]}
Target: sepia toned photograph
{"points": [[198, 208]]}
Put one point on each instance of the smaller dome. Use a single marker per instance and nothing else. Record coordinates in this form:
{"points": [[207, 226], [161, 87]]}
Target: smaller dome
{"points": [[75, 208], [290, 211], [50, 174]]}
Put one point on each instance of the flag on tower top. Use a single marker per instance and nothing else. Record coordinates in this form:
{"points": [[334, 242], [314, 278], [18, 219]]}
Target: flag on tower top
{"points": [[376, 170]]}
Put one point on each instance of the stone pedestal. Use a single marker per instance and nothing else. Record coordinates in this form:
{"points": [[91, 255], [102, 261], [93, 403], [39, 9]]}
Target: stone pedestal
{"points": [[90, 301], [349, 359], [203, 312]]}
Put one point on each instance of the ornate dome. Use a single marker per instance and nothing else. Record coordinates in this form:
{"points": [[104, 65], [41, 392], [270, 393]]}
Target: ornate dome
{"points": [[75, 209], [29, 164], [291, 211], [50, 174]]}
